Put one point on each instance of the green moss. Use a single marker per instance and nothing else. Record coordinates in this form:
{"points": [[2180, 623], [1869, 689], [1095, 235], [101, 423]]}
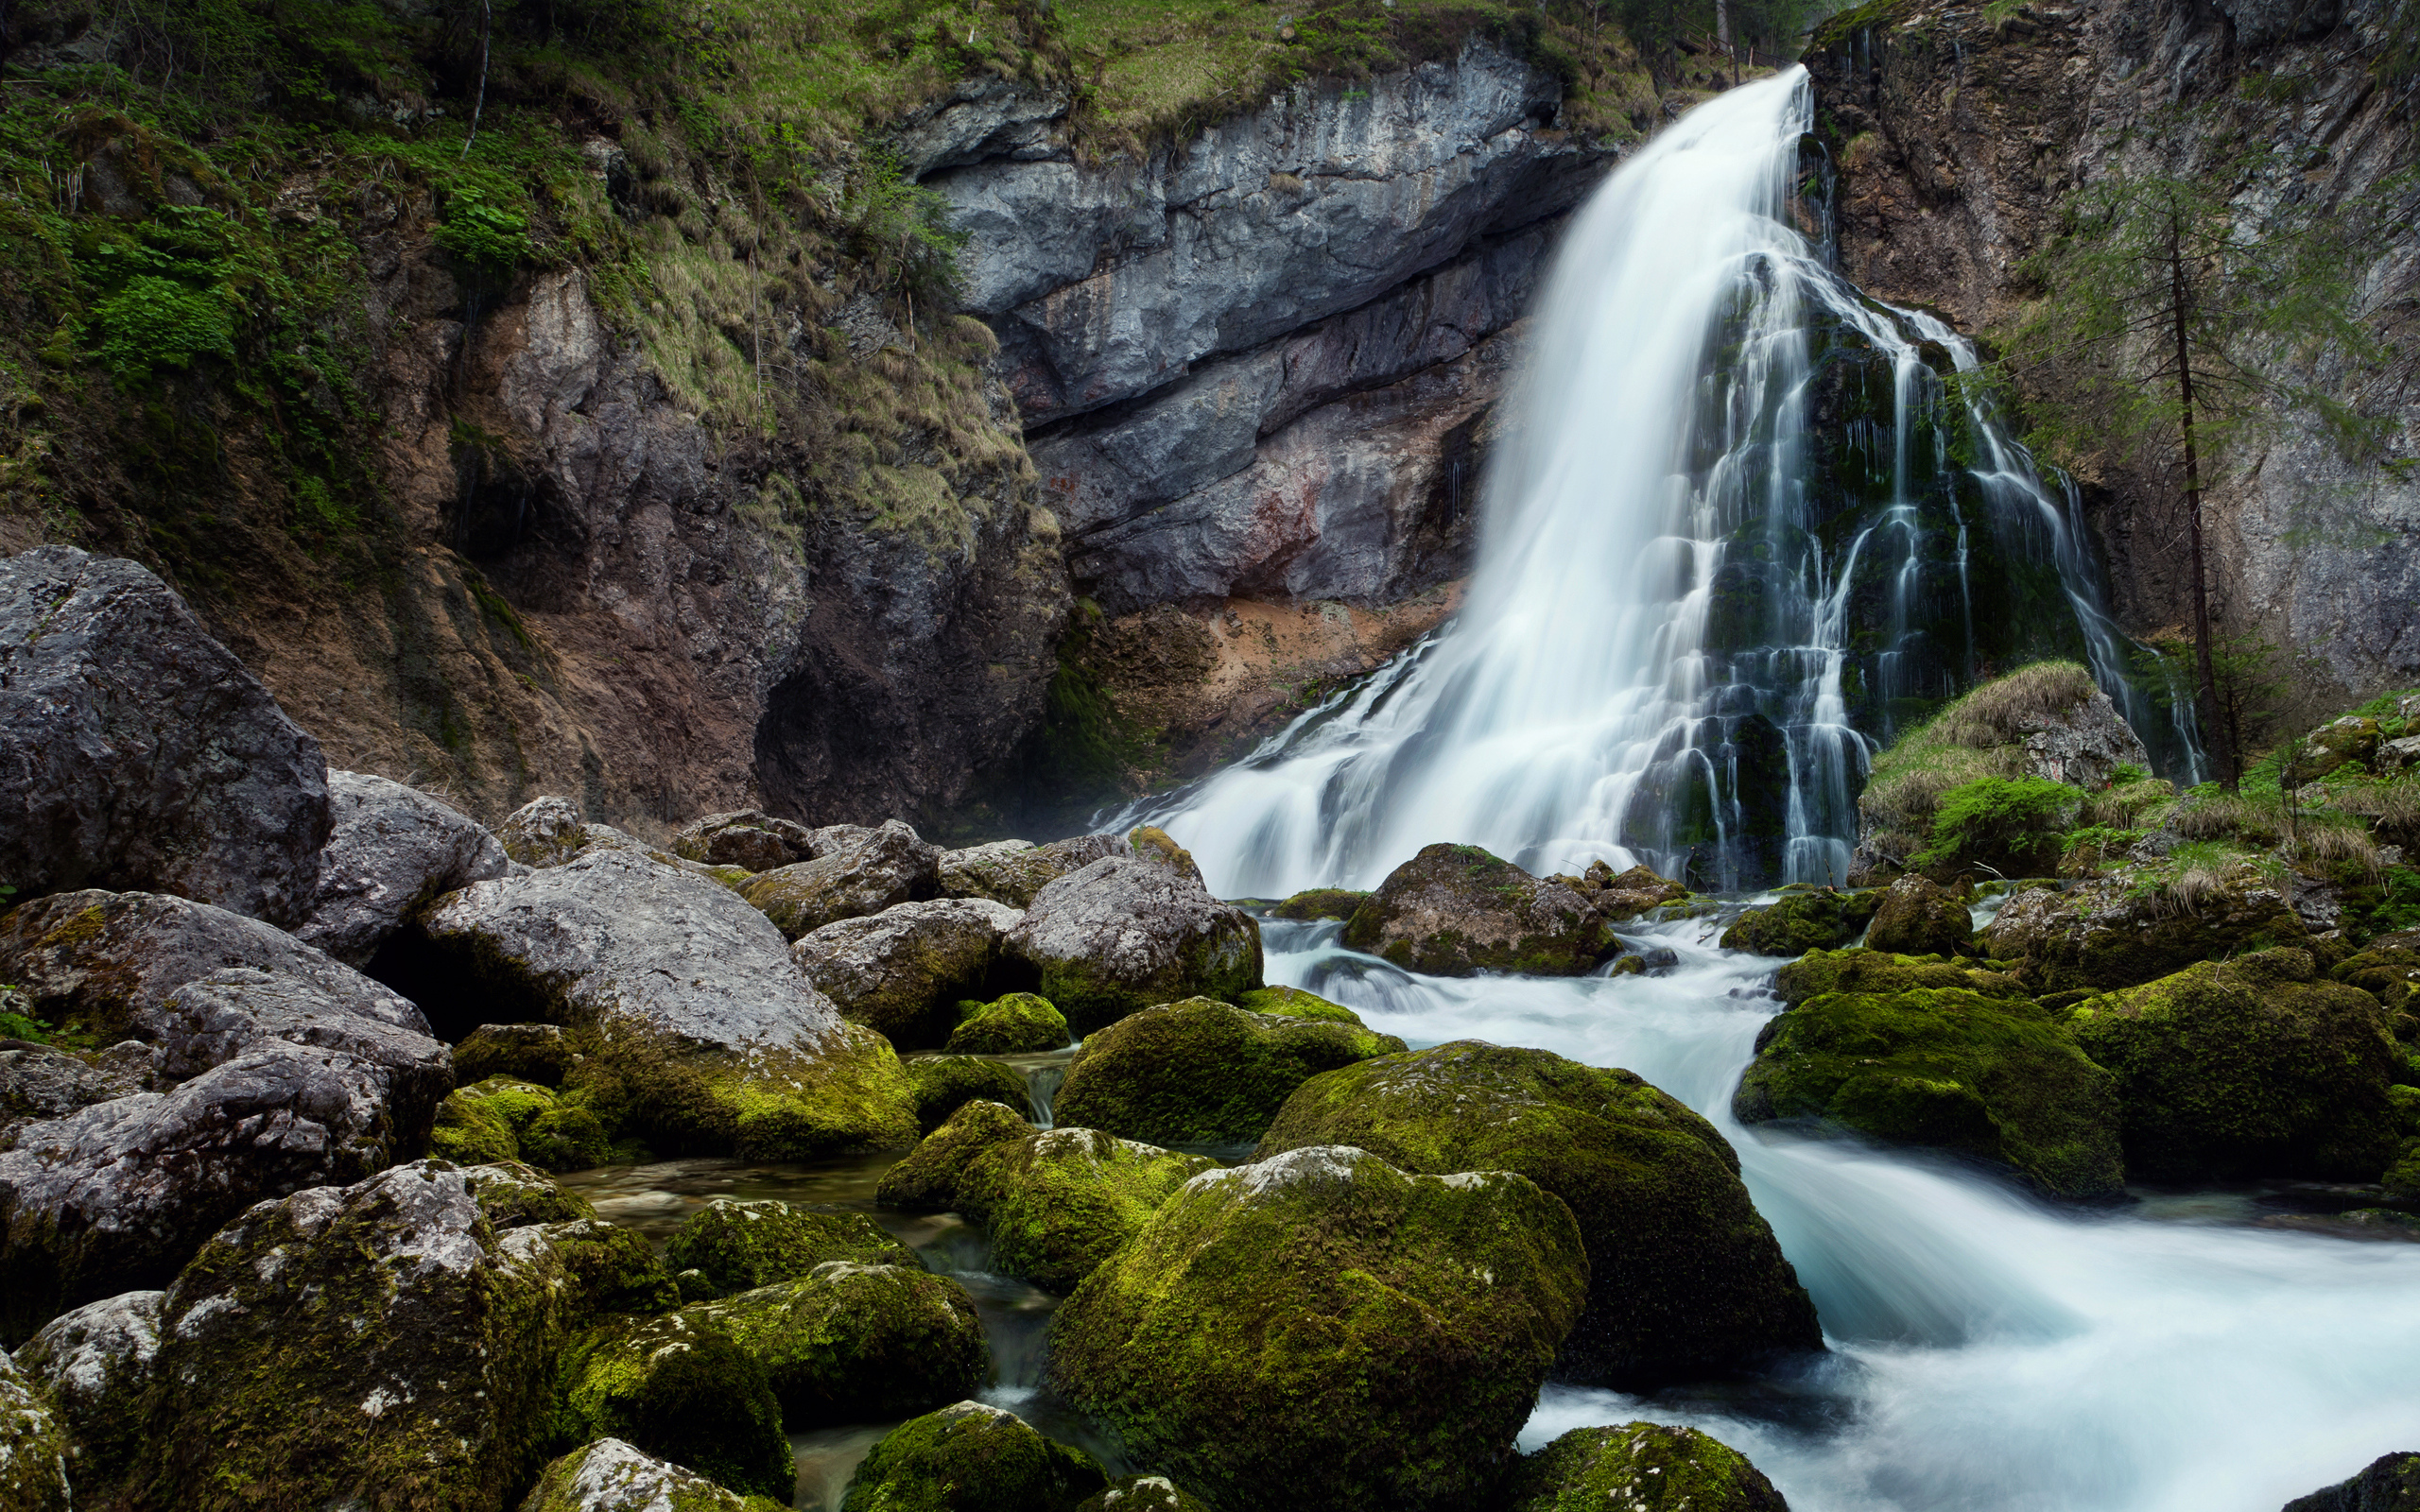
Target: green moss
{"points": [[1142, 1493], [1203, 1072], [1017, 1024], [1326, 1330], [615, 1270], [741, 1246], [1320, 902], [1685, 1277], [1978, 736], [1819, 920], [851, 1094], [2009, 826], [1639, 1467], [1059, 1203], [2248, 1067], [1293, 1003], [926, 1181], [1868, 970], [671, 1487], [854, 1343], [946, 1083], [682, 1392], [505, 1119], [1949, 1068], [971, 1458]]}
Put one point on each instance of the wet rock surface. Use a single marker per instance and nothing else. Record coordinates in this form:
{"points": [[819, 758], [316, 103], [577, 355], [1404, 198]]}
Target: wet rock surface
{"points": [[971, 1455], [1917, 916], [1454, 910], [1202, 1071], [851, 1343], [738, 1247], [1644, 1466], [137, 754], [1817, 918]]}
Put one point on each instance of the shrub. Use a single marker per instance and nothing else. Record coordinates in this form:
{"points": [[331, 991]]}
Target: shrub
{"points": [[156, 322], [492, 239], [2011, 825]]}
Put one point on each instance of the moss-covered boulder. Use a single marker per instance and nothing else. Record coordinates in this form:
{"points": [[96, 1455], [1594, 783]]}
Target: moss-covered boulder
{"points": [[944, 1084], [2389, 1483], [1142, 1493], [741, 1246], [1056, 1202], [1012, 871], [1626, 895], [505, 1119], [677, 1388], [2136, 927], [1128, 931], [1986, 1073], [905, 971], [93, 1366], [1919, 917], [538, 1053], [2389, 974], [1686, 1276], [1808, 919], [1293, 1003], [1454, 910], [1871, 970], [1637, 1468], [1320, 902], [2248, 1067], [388, 1344], [1203, 1073], [853, 1344], [1020, 1024], [1323, 1329], [33, 1448], [971, 1458], [612, 1476]]}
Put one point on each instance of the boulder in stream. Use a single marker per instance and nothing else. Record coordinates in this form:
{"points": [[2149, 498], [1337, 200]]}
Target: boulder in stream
{"points": [[2253, 1067], [1805, 918], [1203, 1073], [1919, 917], [944, 1084], [1454, 910], [741, 1245], [612, 1475], [903, 971], [1685, 1278], [851, 1343], [677, 1387], [1638, 1468], [970, 1457], [1323, 1329], [503, 1118], [2124, 929], [1320, 902], [1128, 931], [1019, 1023]]}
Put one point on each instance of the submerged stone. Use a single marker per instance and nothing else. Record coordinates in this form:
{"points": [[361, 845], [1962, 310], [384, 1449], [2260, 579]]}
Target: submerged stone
{"points": [[1638, 1468], [738, 1247], [1454, 910], [1685, 1278], [971, 1458], [1203, 1073], [1323, 1329]]}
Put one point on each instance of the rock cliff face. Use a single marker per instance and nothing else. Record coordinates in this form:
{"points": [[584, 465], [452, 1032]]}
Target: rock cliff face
{"points": [[1955, 138]]}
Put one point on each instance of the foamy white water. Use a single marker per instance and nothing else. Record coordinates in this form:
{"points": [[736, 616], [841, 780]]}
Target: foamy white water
{"points": [[1989, 1353]]}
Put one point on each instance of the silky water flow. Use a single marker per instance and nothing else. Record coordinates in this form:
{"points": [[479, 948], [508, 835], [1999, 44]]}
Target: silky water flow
{"points": [[1988, 1352]]}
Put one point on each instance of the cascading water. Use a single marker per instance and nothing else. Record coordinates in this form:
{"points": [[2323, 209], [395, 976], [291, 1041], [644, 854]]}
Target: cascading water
{"points": [[1737, 535]]}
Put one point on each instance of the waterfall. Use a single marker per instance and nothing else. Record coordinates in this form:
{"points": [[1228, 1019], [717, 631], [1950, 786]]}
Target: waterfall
{"points": [[1737, 532]]}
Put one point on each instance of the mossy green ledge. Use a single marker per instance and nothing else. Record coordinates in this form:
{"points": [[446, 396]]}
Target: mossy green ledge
{"points": [[1918, 1052], [1323, 1329], [1687, 1277], [1203, 1073], [1638, 1468]]}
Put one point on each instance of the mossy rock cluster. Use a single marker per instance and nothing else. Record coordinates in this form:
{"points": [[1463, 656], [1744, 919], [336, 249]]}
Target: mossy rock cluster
{"points": [[1637, 1468], [971, 1457], [1963, 1063], [1203, 1073], [1056, 1203], [854, 1343], [1685, 1277], [1323, 1329], [1803, 919], [851, 1094], [738, 1247], [2129, 928], [1918, 916], [1456, 910], [1019, 1023], [2255, 1066], [506, 1119], [944, 1084]]}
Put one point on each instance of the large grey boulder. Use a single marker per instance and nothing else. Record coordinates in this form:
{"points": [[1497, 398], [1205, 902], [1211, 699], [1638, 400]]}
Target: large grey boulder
{"points": [[1454, 910], [688, 999], [33, 1448], [94, 1365], [856, 871], [39, 1082], [1011, 871], [903, 970], [395, 850], [1127, 932], [137, 752], [390, 1343], [749, 839], [613, 1475]]}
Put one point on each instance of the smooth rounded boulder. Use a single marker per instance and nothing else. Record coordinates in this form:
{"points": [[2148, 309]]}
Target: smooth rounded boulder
{"points": [[503, 1118], [1923, 1053], [1203, 1073], [394, 849], [1455, 910], [2253, 1067], [944, 1084], [1323, 1329], [1019, 1023], [1687, 1277], [970, 1457], [741, 1246], [850, 1343], [1814, 918], [679, 1388], [1128, 931], [1637, 1468], [856, 872], [139, 754], [903, 971], [1919, 917]]}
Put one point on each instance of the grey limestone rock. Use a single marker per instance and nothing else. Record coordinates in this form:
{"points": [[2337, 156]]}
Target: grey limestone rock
{"points": [[39, 1082], [544, 832], [137, 752], [394, 849], [856, 871], [95, 1363], [903, 970], [749, 839], [985, 116], [33, 1448], [2084, 745], [1127, 932], [1011, 871], [612, 1475]]}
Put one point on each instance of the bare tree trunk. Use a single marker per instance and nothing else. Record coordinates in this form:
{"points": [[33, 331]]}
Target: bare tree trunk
{"points": [[487, 29], [2223, 755]]}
